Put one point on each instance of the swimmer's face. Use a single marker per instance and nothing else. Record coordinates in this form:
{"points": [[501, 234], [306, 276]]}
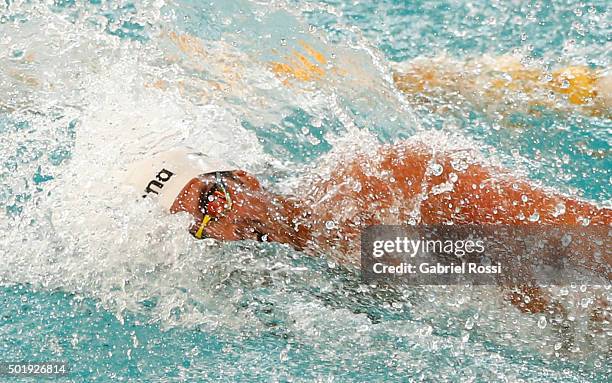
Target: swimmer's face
{"points": [[245, 219]]}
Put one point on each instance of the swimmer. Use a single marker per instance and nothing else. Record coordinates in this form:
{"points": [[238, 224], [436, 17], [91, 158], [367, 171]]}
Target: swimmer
{"points": [[400, 183], [496, 85], [503, 85], [499, 86]]}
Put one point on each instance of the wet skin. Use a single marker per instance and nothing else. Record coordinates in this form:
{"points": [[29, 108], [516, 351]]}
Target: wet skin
{"points": [[392, 186]]}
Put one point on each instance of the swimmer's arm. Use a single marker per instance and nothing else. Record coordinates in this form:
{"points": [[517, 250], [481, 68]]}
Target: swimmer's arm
{"points": [[482, 195], [494, 79], [473, 194]]}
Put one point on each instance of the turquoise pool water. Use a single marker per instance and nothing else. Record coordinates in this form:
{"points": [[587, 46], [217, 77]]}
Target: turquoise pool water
{"points": [[87, 84]]}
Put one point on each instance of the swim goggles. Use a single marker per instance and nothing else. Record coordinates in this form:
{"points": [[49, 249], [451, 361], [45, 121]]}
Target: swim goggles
{"points": [[214, 204]]}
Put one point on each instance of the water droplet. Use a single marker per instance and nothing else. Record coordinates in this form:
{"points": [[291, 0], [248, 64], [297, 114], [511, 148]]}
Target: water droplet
{"points": [[566, 240], [313, 140], [558, 346], [442, 188], [535, 217], [316, 122], [565, 158], [453, 177], [524, 198], [469, 324], [542, 322], [426, 331], [565, 84], [283, 42], [559, 210], [436, 169], [75, 340], [459, 165], [135, 341], [330, 225], [284, 354]]}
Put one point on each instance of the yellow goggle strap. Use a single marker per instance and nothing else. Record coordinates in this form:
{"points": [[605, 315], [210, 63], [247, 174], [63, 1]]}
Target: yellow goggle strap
{"points": [[203, 224]]}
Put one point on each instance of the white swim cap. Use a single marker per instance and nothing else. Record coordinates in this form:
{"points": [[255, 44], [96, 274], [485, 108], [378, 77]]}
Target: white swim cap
{"points": [[166, 174]]}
